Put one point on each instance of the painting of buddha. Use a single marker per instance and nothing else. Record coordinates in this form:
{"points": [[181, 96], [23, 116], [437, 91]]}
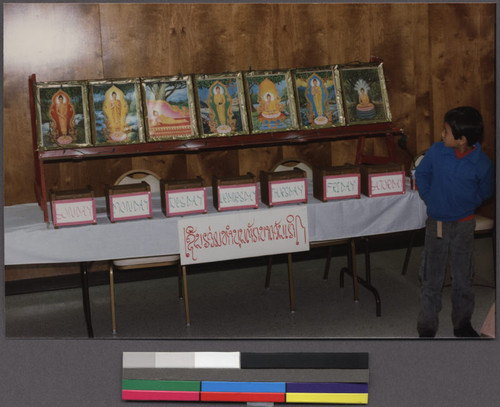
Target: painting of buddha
{"points": [[319, 97], [272, 102], [169, 108], [116, 112], [62, 115], [221, 107]]}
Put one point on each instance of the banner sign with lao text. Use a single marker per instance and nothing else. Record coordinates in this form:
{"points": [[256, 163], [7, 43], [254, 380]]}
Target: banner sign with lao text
{"points": [[243, 234]]}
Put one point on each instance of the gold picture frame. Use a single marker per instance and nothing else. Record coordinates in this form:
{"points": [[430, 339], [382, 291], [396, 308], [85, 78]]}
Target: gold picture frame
{"points": [[62, 115], [365, 94], [220, 104], [319, 97], [116, 112], [270, 101], [169, 108]]}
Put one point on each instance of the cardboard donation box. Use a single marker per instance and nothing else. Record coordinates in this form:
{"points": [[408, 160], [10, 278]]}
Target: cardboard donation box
{"points": [[235, 193], [383, 180], [183, 197], [283, 187], [128, 202], [75, 207], [341, 182]]}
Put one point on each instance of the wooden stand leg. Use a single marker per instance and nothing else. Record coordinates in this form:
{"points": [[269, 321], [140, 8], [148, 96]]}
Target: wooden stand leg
{"points": [[179, 281], [290, 283], [186, 300]]}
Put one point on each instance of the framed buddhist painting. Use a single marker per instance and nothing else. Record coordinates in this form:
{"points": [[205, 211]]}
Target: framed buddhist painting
{"points": [[270, 101], [365, 94], [319, 97], [221, 104], [169, 108], [62, 115], [116, 112]]}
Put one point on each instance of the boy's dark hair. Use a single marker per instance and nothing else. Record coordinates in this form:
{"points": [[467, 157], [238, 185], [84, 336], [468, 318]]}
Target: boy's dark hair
{"points": [[465, 121]]}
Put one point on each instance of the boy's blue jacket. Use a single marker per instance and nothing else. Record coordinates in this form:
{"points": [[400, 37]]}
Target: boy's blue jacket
{"points": [[454, 188]]}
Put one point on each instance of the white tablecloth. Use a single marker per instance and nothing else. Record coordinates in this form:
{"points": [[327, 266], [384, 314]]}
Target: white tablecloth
{"points": [[28, 240]]}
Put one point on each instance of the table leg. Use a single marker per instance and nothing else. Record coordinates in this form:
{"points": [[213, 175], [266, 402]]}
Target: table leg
{"points": [[186, 300], [86, 298], [351, 270], [290, 283], [268, 272]]}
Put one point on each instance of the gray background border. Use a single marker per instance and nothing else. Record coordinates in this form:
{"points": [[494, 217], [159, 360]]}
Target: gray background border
{"points": [[405, 373]]}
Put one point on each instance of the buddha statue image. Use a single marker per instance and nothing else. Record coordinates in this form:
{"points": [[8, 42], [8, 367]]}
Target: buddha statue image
{"points": [[365, 110], [270, 106], [317, 97], [115, 109], [219, 102], [62, 115]]}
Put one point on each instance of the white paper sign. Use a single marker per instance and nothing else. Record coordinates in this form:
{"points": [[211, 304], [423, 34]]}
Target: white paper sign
{"points": [[342, 186], [391, 183], [289, 191], [186, 201], [135, 205], [244, 234], [238, 196], [70, 212]]}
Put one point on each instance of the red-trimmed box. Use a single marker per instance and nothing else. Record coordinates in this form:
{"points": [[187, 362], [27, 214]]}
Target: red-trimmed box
{"points": [[235, 193], [74, 207], [183, 197], [129, 202], [283, 187], [341, 182], [383, 180]]}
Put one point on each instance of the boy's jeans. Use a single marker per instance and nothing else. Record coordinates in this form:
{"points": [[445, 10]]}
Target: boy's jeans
{"points": [[457, 243]]}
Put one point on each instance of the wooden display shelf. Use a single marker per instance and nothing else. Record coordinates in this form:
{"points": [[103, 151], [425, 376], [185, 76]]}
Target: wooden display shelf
{"points": [[241, 141], [359, 132]]}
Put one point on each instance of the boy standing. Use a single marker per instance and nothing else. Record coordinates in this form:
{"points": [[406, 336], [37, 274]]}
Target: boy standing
{"points": [[453, 179]]}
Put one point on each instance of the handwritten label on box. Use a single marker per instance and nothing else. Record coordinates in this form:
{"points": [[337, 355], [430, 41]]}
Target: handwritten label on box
{"points": [[287, 191], [391, 183], [244, 196], [342, 186], [69, 212], [244, 234], [186, 201], [136, 205]]}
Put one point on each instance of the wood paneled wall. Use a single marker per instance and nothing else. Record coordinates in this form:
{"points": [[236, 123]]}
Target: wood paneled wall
{"points": [[436, 56]]}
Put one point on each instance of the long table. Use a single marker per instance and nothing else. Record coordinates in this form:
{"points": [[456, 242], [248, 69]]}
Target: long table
{"points": [[29, 240]]}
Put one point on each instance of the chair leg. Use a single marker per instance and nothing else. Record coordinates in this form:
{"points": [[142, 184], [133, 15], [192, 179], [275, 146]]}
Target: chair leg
{"points": [[112, 297], [328, 261]]}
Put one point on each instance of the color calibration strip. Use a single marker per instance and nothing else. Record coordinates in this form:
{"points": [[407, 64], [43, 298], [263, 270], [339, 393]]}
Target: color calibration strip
{"points": [[314, 377]]}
